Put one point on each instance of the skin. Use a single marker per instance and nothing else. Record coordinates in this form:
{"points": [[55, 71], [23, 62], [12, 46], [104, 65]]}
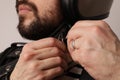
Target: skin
{"points": [[42, 59], [42, 11], [97, 49]]}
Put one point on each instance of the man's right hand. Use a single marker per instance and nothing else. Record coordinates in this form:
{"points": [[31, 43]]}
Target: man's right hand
{"points": [[44, 59]]}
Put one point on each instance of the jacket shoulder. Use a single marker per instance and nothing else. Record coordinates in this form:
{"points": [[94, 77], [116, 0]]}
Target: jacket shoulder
{"points": [[8, 59]]}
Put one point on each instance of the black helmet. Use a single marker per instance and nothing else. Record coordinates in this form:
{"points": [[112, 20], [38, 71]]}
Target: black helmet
{"points": [[85, 9]]}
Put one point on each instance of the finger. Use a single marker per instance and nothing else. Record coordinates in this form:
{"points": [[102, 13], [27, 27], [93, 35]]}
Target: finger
{"points": [[81, 26], [52, 63], [80, 57], [53, 73], [73, 34], [47, 42], [78, 32], [52, 52], [48, 53], [88, 27], [74, 44]]}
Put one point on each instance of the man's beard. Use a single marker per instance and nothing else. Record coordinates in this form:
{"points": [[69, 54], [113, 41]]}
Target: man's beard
{"points": [[38, 28], [35, 30]]}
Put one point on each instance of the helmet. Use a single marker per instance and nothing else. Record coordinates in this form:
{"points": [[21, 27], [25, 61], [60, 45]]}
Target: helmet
{"points": [[74, 10]]}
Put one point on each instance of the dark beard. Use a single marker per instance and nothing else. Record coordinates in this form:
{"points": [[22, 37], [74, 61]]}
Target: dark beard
{"points": [[37, 29]]}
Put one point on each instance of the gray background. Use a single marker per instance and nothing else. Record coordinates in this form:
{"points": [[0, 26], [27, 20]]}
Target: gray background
{"points": [[8, 22]]}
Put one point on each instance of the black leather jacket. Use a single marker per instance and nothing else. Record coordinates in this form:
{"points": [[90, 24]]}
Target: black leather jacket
{"points": [[10, 56], [8, 59]]}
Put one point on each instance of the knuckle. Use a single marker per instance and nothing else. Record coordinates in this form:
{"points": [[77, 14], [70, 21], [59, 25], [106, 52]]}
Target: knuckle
{"points": [[27, 52], [102, 22], [99, 27], [77, 23], [104, 25], [52, 41], [56, 50], [96, 29], [59, 69], [42, 76], [26, 46], [33, 65], [27, 55], [59, 60]]}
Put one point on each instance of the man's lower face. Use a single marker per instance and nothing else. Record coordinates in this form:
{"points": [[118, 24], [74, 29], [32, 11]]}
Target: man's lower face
{"points": [[31, 25], [35, 28]]}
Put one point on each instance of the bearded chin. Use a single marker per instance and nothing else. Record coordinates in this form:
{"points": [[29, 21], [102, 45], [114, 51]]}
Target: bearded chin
{"points": [[35, 30]]}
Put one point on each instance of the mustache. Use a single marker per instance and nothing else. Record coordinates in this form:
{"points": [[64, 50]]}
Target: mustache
{"points": [[31, 5]]}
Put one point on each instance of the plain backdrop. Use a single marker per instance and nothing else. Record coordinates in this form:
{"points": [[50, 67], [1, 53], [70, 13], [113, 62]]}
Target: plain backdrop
{"points": [[9, 21]]}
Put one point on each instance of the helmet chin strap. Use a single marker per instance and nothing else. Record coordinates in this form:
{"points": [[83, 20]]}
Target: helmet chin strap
{"points": [[61, 31]]}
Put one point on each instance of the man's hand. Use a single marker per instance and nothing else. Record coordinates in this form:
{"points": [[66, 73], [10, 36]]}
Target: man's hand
{"points": [[44, 59], [93, 45]]}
